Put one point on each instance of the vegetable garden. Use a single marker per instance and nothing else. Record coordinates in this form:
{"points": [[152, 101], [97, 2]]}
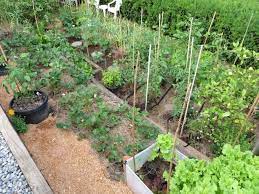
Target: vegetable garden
{"points": [[183, 84]]}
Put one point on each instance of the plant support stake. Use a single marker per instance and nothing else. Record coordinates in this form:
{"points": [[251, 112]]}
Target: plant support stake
{"points": [[242, 42], [189, 42], [148, 72], [192, 85], [134, 107]]}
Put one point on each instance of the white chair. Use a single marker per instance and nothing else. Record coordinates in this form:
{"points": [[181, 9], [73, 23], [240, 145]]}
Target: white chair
{"points": [[116, 7]]}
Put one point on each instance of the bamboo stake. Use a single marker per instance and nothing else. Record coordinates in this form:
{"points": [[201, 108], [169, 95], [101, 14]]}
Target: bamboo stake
{"points": [[190, 60], [141, 17], [251, 110], [211, 23], [3, 53], [134, 108], [186, 100], [192, 85], [160, 22], [35, 17], [189, 42], [247, 27], [148, 70]]}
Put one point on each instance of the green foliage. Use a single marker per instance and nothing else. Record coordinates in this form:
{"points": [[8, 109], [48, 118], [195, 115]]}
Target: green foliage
{"points": [[19, 124], [21, 11], [86, 111], [51, 62], [227, 93], [163, 147], [112, 77], [232, 172], [232, 16]]}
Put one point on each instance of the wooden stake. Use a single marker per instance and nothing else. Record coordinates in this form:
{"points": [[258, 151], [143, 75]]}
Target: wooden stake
{"points": [[160, 22], [148, 70], [190, 61], [251, 110], [189, 42], [134, 108], [3, 53], [141, 17], [192, 85], [242, 42], [186, 101], [35, 17], [211, 23]]}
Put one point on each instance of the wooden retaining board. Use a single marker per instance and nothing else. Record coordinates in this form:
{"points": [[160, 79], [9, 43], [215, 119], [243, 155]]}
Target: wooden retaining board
{"points": [[32, 174]]}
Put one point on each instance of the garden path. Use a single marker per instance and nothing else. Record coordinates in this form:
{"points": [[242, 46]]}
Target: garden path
{"points": [[69, 165]]}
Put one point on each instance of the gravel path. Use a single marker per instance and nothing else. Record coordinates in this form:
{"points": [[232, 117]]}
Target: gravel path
{"points": [[12, 179]]}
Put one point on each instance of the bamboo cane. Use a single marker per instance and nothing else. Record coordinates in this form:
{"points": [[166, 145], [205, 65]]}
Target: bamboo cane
{"points": [[134, 108], [148, 71], [190, 61], [186, 100], [192, 85], [208, 32], [141, 17], [3, 53], [189, 42], [247, 27], [35, 17], [251, 110]]}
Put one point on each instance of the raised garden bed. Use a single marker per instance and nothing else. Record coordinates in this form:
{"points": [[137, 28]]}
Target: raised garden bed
{"points": [[133, 180]]}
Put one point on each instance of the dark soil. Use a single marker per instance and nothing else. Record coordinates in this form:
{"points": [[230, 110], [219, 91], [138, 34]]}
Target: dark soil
{"points": [[72, 39], [110, 55], [152, 175], [27, 103]]}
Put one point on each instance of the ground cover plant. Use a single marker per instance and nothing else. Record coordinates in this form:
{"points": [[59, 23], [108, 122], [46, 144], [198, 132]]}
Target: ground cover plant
{"points": [[89, 115]]}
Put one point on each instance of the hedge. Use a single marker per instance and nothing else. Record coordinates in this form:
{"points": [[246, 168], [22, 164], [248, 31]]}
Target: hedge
{"points": [[231, 19]]}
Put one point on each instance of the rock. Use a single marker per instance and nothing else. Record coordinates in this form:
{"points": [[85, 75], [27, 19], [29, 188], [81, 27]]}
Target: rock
{"points": [[77, 43]]}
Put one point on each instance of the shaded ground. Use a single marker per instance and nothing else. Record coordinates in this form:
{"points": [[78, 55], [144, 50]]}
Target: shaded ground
{"points": [[69, 165]]}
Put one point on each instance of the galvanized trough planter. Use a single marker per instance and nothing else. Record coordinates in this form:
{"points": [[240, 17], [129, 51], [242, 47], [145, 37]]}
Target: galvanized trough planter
{"points": [[132, 179]]}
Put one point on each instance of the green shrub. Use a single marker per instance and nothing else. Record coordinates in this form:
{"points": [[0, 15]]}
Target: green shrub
{"points": [[112, 77]]}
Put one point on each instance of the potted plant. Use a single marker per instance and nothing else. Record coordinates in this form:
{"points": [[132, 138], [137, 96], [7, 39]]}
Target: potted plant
{"points": [[28, 102], [112, 77]]}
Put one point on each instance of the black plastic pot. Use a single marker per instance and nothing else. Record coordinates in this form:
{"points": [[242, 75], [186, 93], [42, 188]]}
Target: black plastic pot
{"points": [[36, 115], [3, 70]]}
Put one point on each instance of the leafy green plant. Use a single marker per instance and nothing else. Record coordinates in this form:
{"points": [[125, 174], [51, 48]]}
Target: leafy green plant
{"points": [[227, 93], [112, 77], [232, 172], [163, 148], [97, 56], [19, 124]]}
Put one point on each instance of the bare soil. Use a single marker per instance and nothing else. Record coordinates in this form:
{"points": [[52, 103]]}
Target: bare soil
{"points": [[152, 175], [68, 165]]}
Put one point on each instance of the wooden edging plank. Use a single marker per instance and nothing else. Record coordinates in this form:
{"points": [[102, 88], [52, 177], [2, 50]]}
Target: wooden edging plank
{"points": [[32, 174], [181, 146]]}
